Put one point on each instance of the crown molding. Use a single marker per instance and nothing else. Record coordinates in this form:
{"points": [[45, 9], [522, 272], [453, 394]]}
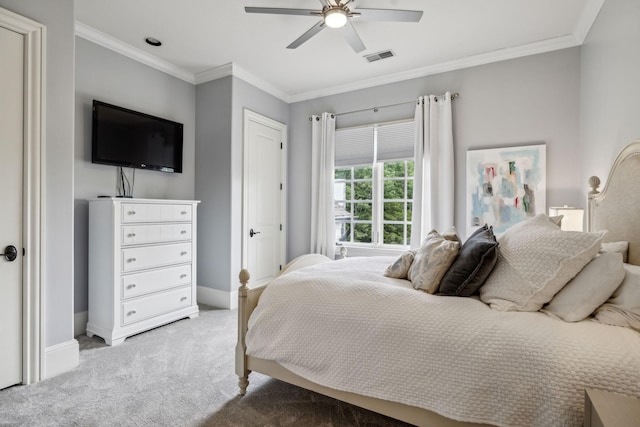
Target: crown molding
{"points": [[260, 83], [235, 70], [468, 62], [588, 17], [214, 73], [105, 40]]}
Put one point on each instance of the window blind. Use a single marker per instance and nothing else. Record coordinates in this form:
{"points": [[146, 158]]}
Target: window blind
{"points": [[355, 146], [395, 141]]}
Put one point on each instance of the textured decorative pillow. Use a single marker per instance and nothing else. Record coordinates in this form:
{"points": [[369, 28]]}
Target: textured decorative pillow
{"points": [[591, 288], [473, 264], [536, 260], [431, 262], [623, 308], [620, 247], [451, 234], [400, 267]]}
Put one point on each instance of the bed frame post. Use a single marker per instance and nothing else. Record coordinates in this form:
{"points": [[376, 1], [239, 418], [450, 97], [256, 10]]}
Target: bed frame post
{"points": [[241, 348], [594, 183]]}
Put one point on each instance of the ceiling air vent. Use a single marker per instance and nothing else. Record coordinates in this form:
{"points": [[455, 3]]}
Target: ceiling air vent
{"points": [[380, 55]]}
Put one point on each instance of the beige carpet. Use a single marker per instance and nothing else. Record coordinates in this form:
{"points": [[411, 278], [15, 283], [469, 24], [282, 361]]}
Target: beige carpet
{"points": [[181, 374]]}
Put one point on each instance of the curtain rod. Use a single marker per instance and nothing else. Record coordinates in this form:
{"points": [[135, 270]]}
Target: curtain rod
{"points": [[375, 109]]}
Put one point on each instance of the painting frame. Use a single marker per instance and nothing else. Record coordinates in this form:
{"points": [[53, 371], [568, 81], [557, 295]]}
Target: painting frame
{"points": [[505, 185]]}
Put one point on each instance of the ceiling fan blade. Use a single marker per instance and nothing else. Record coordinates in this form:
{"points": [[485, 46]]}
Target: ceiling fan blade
{"points": [[307, 35], [353, 38], [282, 11], [394, 15]]}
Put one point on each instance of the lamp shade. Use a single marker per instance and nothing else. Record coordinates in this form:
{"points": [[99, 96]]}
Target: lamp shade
{"points": [[572, 220]]}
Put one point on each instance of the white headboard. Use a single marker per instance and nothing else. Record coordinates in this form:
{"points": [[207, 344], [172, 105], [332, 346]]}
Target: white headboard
{"points": [[617, 208]]}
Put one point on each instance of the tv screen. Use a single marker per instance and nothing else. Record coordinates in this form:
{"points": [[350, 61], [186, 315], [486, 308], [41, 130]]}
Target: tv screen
{"points": [[123, 137]]}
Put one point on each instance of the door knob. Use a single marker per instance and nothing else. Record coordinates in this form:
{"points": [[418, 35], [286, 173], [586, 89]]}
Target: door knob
{"points": [[10, 253], [252, 233]]}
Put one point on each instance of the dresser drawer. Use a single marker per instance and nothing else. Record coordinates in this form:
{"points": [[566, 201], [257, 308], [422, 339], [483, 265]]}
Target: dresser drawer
{"points": [[155, 305], [137, 234], [147, 212], [137, 284], [155, 256]]}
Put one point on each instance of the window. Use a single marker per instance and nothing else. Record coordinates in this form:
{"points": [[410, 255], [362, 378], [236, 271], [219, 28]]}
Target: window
{"points": [[373, 189]]}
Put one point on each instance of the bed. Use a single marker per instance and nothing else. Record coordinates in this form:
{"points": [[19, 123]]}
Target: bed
{"points": [[425, 359]]}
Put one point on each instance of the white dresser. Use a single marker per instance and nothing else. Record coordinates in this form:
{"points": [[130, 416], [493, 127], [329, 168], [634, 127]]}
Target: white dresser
{"points": [[142, 265]]}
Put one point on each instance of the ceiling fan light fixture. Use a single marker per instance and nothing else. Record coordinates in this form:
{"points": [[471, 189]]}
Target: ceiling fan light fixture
{"points": [[335, 18]]}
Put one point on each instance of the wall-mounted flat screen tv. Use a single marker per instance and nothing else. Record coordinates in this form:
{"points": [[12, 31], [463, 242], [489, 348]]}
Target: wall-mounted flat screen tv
{"points": [[124, 137]]}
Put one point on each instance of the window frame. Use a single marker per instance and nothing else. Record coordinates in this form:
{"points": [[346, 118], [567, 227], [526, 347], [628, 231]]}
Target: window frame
{"points": [[376, 246]]}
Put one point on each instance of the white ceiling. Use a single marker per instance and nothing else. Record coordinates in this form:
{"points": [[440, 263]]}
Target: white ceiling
{"points": [[206, 39]]}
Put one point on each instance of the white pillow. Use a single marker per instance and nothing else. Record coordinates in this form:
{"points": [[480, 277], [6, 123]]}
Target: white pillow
{"points": [[623, 308], [591, 288], [431, 262], [620, 247], [536, 260]]}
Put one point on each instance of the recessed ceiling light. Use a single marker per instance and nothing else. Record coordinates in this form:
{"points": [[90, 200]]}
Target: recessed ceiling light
{"points": [[153, 42]]}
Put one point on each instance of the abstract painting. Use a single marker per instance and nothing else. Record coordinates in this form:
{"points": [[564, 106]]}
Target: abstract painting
{"points": [[505, 186]]}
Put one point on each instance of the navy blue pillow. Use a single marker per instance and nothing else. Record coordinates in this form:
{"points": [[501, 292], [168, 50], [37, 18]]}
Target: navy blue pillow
{"points": [[475, 261]]}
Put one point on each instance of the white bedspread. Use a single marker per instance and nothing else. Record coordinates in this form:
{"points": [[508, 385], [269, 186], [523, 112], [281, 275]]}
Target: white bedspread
{"points": [[343, 325]]}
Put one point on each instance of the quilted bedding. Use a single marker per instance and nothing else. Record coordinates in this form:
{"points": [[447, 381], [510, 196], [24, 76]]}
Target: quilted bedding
{"points": [[344, 325]]}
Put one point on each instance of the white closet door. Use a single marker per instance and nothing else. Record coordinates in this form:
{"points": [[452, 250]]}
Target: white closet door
{"points": [[11, 162], [263, 211]]}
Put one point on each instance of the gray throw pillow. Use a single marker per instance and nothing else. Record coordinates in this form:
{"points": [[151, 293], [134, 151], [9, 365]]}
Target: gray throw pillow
{"points": [[474, 263]]}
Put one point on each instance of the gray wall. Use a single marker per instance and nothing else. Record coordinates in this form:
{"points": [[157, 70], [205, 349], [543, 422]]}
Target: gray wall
{"points": [[57, 284], [110, 77], [523, 101], [610, 87], [219, 139], [213, 178]]}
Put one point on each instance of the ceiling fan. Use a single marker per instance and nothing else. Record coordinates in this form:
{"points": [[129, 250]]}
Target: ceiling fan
{"points": [[336, 14]]}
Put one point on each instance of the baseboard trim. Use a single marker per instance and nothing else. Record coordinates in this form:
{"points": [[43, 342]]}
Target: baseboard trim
{"points": [[217, 298], [61, 358], [80, 323]]}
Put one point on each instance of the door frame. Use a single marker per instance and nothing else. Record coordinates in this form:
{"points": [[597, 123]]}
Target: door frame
{"points": [[248, 116], [35, 36]]}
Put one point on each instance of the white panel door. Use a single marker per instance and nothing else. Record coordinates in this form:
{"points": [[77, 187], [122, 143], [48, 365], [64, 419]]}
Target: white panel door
{"points": [[264, 196], [11, 161]]}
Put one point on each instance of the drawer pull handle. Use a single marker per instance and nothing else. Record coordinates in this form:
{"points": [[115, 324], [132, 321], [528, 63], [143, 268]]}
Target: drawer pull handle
{"points": [[131, 286], [131, 313], [183, 253], [131, 212], [182, 276], [183, 213], [131, 260], [183, 299], [131, 235], [183, 232]]}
